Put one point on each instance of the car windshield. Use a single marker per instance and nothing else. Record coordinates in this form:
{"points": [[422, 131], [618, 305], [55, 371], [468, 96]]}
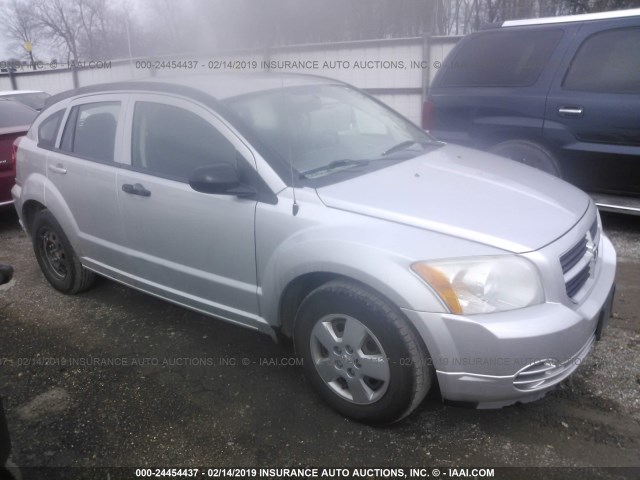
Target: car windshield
{"points": [[321, 129], [34, 100]]}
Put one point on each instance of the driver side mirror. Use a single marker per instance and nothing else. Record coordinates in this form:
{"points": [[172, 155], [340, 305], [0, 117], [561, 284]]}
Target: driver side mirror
{"points": [[220, 179]]}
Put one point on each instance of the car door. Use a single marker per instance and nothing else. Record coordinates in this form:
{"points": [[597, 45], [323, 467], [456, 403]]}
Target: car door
{"points": [[82, 168], [196, 249], [592, 108]]}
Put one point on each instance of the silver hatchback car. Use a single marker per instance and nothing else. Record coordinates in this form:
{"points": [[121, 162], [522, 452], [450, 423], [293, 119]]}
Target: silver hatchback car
{"points": [[301, 207]]}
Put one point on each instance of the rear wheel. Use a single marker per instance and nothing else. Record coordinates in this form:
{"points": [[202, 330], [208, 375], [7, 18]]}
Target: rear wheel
{"points": [[56, 257], [360, 354], [529, 153]]}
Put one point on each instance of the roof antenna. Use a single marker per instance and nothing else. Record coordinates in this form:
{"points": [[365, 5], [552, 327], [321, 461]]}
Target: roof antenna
{"points": [[288, 120]]}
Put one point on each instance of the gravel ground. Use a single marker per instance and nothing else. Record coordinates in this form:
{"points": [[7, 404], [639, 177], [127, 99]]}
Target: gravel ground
{"points": [[248, 406]]}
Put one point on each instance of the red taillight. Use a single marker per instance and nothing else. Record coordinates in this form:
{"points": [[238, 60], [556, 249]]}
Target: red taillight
{"points": [[14, 150], [428, 115]]}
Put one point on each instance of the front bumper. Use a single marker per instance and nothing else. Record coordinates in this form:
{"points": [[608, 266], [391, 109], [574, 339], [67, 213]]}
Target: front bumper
{"points": [[503, 358]]}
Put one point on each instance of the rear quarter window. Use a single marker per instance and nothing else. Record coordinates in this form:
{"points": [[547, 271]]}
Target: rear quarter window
{"points": [[501, 58], [607, 62], [48, 130]]}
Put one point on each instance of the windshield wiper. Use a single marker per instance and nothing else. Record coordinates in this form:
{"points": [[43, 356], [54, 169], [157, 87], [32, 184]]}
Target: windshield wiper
{"points": [[407, 143], [334, 165]]}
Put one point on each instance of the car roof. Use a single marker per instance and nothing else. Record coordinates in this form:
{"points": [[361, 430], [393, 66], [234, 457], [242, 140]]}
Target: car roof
{"points": [[632, 12], [14, 92], [217, 85], [225, 85]]}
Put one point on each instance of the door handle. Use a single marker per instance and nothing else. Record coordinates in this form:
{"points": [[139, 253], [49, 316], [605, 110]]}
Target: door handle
{"points": [[571, 111], [58, 168], [136, 189]]}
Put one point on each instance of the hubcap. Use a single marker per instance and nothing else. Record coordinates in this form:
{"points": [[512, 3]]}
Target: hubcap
{"points": [[54, 254], [350, 359]]}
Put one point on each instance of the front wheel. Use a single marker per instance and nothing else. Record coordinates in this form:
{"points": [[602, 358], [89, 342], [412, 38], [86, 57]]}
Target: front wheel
{"points": [[56, 257], [360, 354]]}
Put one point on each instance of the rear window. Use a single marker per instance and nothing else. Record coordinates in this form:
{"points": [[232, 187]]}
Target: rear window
{"points": [[502, 58], [14, 114], [607, 62]]}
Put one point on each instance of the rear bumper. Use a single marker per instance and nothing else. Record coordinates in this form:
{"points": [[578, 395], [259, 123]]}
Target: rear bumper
{"points": [[7, 180], [16, 192], [503, 358]]}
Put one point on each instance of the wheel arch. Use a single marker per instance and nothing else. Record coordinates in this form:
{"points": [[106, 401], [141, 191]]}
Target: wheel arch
{"points": [[300, 287], [295, 292], [487, 132], [59, 208], [532, 142], [29, 212]]}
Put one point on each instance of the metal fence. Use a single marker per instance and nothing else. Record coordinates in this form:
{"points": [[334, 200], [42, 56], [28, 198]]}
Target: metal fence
{"points": [[397, 71]]}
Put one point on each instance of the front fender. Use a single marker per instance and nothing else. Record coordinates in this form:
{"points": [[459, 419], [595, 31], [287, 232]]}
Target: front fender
{"points": [[370, 250], [387, 273], [375, 252]]}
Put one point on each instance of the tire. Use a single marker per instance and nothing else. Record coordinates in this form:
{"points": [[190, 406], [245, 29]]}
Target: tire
{"points": [[57, 259], [529, 153], [6, 274], [360, 354]]}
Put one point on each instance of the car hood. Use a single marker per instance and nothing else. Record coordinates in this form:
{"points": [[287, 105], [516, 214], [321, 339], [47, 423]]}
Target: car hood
{"points": [[468, 194]]}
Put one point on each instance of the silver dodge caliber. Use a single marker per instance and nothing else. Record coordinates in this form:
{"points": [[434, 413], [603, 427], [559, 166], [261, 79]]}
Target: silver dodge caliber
{"points": [[303, 208]]}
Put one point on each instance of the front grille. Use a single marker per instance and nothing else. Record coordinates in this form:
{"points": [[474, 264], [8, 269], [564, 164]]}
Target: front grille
{"points": [[577, 262], [576, 283], [574, 255]]}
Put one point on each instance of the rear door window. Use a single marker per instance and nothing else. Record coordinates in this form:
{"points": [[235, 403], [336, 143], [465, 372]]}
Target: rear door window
{"points": [[607, 62], [90, 131], [502, 58]]}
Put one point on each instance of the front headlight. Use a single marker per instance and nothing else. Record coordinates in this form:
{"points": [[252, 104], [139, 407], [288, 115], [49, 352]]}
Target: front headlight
{"points": [[483, 284]]}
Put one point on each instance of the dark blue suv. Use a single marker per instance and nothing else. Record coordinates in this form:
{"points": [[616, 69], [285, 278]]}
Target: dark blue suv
{"points": [[561, 94]]}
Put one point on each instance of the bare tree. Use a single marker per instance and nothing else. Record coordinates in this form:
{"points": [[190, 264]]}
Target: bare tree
{"points": [[91, 14], [60, 23], [88, 29], [93, 29], [21, 27], [103, 30]]}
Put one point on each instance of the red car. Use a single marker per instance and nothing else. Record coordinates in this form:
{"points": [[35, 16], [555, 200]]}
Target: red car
{"points": [[15, 119]]}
